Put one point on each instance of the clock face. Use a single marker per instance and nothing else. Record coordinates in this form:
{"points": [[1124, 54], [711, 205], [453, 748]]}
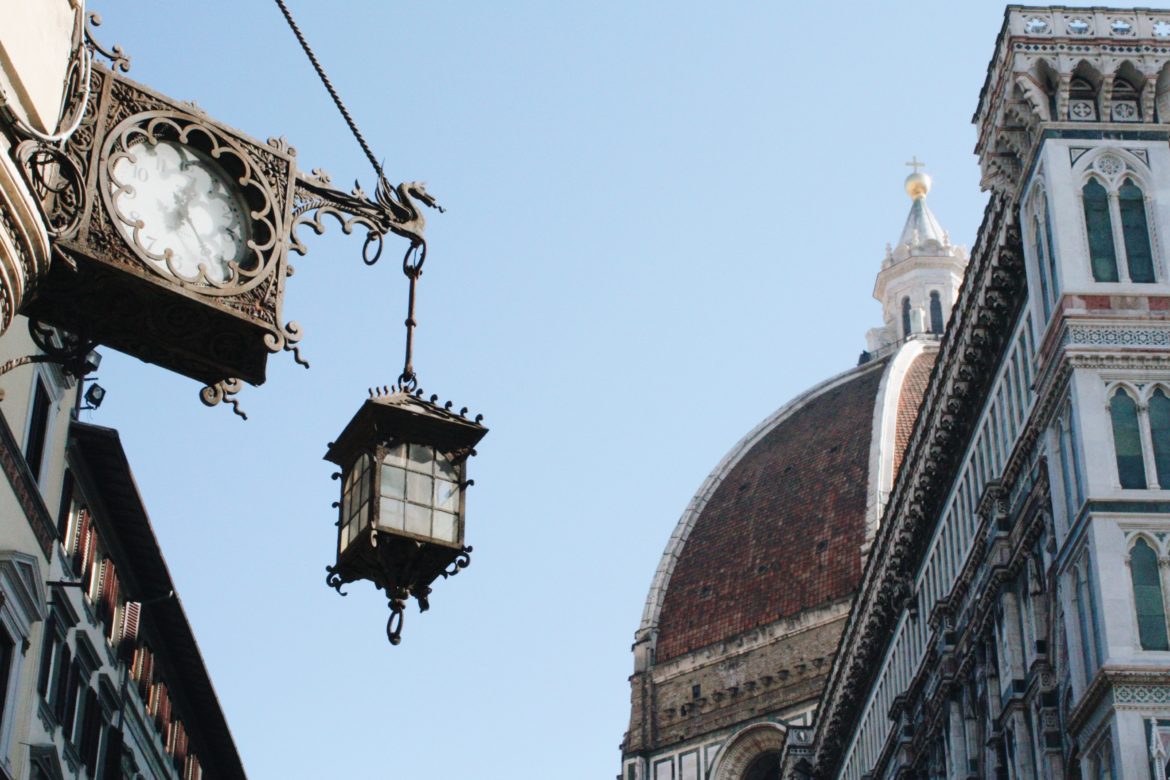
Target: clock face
{"points": [[178, 208]]}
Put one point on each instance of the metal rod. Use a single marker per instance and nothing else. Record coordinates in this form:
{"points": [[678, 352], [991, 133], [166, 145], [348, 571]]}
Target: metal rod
{"points": [[357, 134], [408, 380]]}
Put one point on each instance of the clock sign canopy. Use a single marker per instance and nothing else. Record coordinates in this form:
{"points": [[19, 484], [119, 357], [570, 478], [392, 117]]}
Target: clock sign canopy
{"points": [[177, 252], [403, 483]]}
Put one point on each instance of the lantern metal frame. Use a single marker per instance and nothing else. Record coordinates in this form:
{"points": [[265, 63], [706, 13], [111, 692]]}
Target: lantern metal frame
{"points": [[399, 562]]}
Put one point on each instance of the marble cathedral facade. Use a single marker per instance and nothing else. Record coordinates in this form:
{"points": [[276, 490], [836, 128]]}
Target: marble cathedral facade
{"points": [[991, 578], [1011, 620]]}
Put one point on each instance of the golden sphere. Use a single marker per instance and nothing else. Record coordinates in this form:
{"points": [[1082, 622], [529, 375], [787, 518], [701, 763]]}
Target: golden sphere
{"points": [[917, 184]]}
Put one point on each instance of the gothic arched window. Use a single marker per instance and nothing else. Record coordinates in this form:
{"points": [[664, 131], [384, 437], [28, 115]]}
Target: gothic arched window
{"points": [[936, 315], [1084, 607], [1127, 440], [1102, 255], [1147, 596], [1050, 250], [1042, 265], [1136, 232], [905, 317], [1159, 413]]}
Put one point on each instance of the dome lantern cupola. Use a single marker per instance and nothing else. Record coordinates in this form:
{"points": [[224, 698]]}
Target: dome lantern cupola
{"points": [[920, 275]]}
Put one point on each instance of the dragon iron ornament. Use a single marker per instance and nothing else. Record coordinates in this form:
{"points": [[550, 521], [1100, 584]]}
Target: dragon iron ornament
{"points": [[393, 209]]}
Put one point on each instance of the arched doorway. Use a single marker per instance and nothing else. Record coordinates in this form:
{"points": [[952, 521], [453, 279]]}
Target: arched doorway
{"points": [[765, 766], [752, 754]]}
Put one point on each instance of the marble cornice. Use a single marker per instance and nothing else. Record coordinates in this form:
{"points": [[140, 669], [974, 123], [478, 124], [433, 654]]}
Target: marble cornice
{"points": [[989, 302]]}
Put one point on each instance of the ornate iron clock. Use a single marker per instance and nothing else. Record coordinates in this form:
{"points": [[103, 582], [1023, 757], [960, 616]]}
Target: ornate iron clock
{"points": [[176, 251]]}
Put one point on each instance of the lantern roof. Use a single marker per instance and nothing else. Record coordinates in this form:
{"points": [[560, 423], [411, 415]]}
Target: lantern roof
{"points": [[391, 413]]}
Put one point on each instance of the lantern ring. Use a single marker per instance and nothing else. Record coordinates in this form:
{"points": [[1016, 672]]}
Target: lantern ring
{"points": [[394, 624]]}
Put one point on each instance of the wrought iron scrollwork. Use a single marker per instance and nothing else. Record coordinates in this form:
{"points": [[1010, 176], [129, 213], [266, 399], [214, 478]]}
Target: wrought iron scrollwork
{"points": [[223, 392], [461, 562], [119, 60], [287, 340], [57, 182], [335, 580]]}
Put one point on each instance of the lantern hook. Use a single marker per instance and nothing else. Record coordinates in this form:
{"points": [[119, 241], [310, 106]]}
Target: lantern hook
{"points": [[397, 607]]}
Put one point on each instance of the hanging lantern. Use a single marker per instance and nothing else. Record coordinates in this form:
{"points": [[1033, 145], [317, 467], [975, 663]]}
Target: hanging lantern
{"points": [[403, 488]]}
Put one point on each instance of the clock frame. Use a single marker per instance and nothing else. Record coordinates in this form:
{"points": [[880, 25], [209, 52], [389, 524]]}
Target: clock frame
{"points": [[106, 289]]}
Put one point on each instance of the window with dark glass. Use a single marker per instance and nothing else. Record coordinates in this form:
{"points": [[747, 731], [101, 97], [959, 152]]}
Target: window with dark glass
{"points": [[38, 428], [936, 315], [1135, 232], [1083, 608], [905, 317], [1050, 252], [1159, 411], [1102, 255], [7, 647], [1042, 266], [1147, 596], [1127, 440]]}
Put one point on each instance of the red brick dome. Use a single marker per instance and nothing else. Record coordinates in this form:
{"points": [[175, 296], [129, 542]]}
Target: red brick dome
{"points": [[779, 527]]}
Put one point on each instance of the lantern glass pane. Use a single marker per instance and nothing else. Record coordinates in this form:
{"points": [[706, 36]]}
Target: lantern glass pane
{"points": [[418, 488], [355, 500], [418, 520], [392, 514], [421, 458], [445, 469], [444, 529], [393, 482], [396, 455], [446, 495]]}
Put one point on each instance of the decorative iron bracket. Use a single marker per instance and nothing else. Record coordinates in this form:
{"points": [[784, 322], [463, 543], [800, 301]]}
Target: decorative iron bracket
{"points": [[69, 351], [391, 210]]}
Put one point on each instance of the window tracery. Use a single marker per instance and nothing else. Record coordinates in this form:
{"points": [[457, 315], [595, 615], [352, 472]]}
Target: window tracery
{"points": [[1082, 100], [1121, 241]]}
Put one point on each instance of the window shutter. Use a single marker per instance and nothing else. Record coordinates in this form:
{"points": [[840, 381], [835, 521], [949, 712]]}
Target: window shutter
{"points": [[61, 687], [102, 568], [145, 673], [113, 759], [128, 635], [48, 648], [70, 702], [73, 545], [87, 558], [81, 542]]}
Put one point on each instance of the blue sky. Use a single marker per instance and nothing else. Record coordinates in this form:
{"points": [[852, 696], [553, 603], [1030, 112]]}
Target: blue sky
{"points": [[664, 220]]}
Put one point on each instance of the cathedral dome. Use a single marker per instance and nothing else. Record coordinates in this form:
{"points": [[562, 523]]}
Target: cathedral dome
{"points": [[779, 527], [748, 603]]}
